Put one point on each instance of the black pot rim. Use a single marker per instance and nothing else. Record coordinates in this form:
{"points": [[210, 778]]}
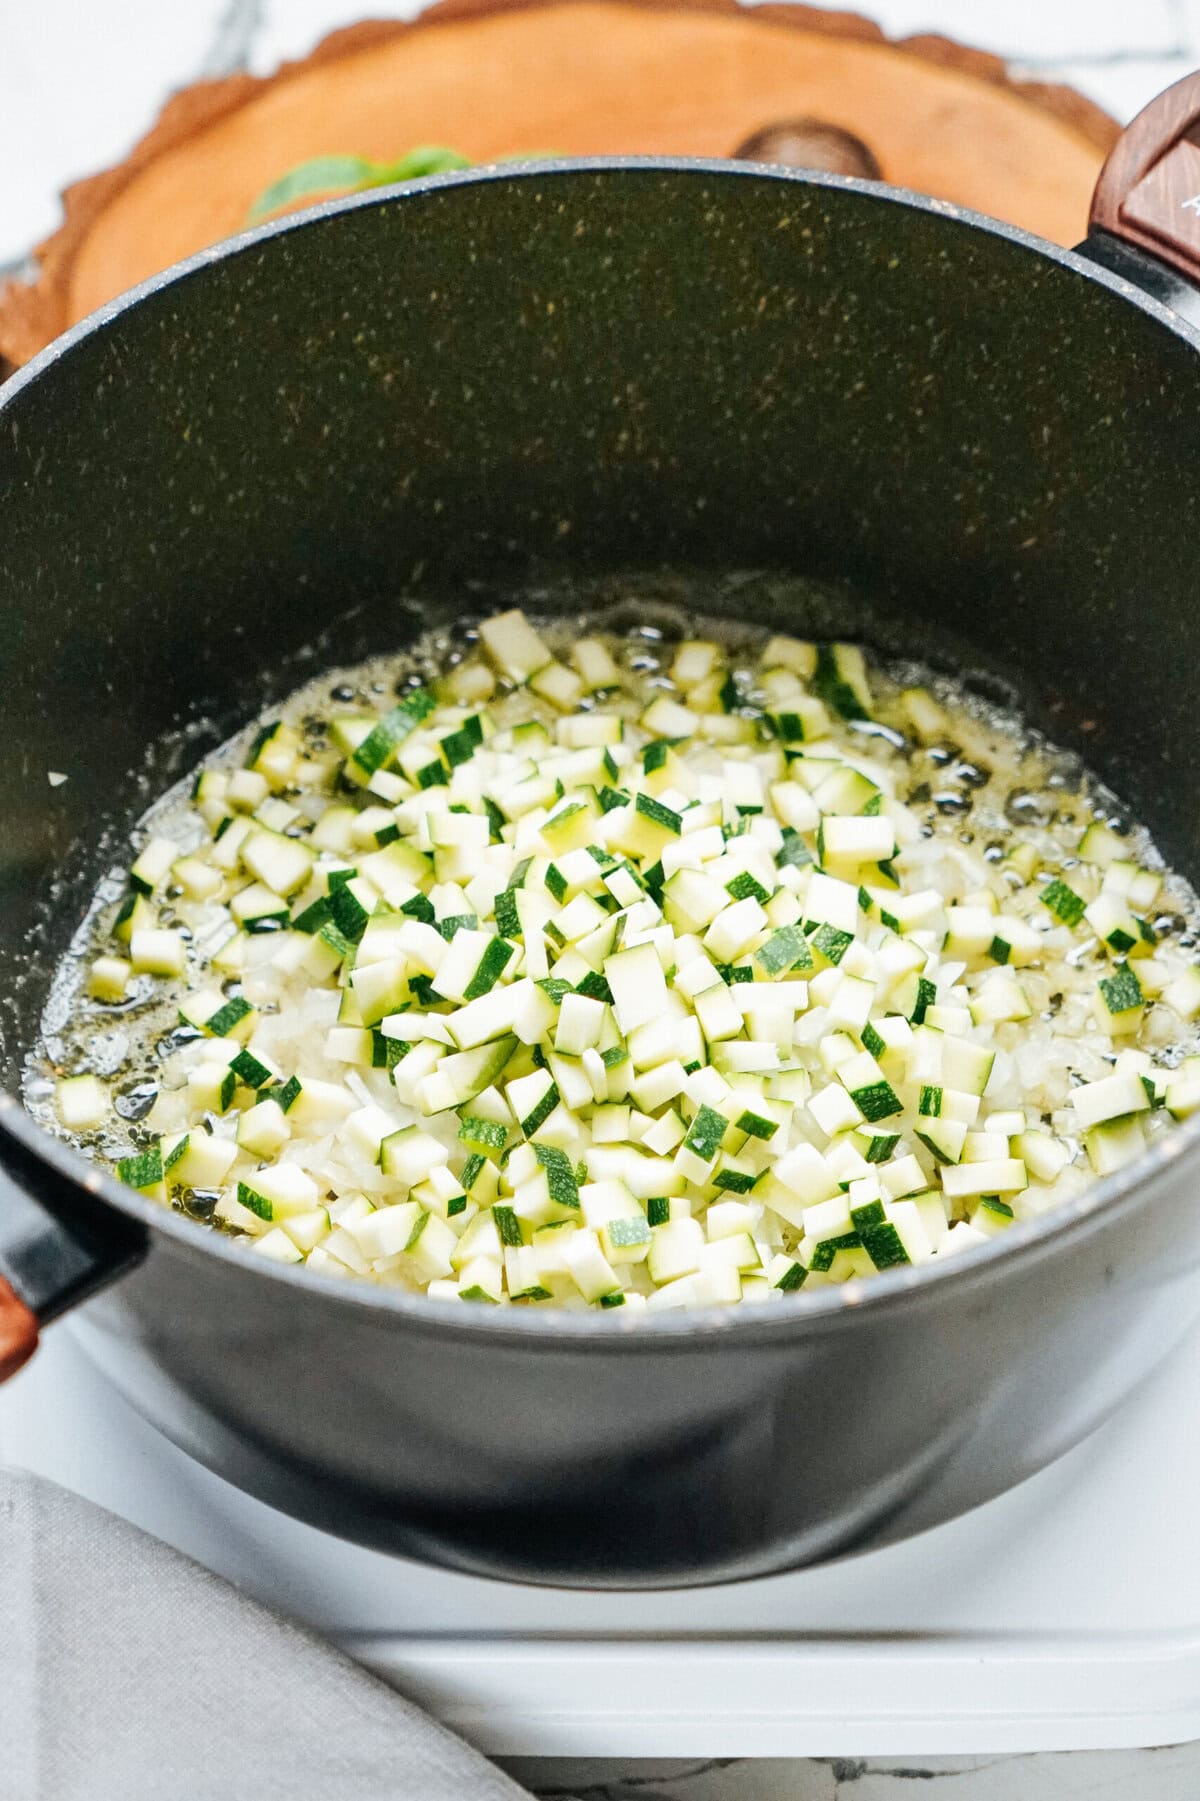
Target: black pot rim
{"points": [[825, 1309]]}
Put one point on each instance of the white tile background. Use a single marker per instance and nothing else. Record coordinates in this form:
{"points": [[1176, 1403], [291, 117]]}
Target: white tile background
{"points": [[80, 80]]}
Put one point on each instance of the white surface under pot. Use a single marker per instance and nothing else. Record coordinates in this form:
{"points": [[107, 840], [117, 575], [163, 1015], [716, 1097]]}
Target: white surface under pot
{"points": [[1064, 1616]]}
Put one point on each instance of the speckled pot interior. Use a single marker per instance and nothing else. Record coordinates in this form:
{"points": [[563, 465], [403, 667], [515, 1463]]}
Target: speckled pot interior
{"points": [[588, 370]]}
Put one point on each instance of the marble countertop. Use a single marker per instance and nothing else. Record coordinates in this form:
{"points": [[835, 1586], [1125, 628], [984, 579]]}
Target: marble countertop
{"points": [[1171, 1774], [74, 96]]}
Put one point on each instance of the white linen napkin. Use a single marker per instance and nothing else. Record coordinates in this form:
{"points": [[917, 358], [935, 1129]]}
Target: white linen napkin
{"points": [[130, 1673]]}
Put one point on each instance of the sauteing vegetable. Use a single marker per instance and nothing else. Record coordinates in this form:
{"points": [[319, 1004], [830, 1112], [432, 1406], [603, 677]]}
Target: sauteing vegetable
{"points": [[646, 975]]}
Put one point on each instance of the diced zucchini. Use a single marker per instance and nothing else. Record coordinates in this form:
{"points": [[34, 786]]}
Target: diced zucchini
{"points": [[1111, 1098], [157, 951], [410, 1155], [276, 1192], [151, 867], [1101, 845], [1120, 1001], [108, 978], [83, 1102], [638, 1003], [513, 645], [1117, 1142]]}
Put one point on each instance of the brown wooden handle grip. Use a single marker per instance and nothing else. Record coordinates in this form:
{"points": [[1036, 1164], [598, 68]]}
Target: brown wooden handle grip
{"points": [[18, 1332], [1149, 189]]}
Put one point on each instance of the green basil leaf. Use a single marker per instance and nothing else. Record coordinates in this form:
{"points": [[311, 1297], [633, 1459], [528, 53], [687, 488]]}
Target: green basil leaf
{"points": [[320, 175], [324, 175], [426, 159]]}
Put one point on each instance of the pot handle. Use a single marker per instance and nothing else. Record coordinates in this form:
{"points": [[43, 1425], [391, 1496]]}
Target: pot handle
{"points": [[18, 1331], [59, 1243], [1148, 194]]}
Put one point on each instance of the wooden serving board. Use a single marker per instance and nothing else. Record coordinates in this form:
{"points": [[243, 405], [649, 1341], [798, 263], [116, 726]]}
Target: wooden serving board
{"points": [[692, 77]]}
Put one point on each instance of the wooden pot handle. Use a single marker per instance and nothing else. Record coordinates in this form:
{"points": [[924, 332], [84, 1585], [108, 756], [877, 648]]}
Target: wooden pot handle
{"points": [[1148, 194], [18, 1332]]}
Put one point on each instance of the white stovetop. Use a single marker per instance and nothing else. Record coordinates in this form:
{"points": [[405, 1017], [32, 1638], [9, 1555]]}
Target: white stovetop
{"points": [[79, 83], [1064, 1616]]}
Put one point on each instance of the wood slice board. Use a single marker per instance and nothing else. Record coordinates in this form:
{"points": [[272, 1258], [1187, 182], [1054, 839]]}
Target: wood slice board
{"points": [[693, 77]]}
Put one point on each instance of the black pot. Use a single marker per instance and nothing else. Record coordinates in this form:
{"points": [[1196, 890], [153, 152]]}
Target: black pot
{"points": [[915, 425]]}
